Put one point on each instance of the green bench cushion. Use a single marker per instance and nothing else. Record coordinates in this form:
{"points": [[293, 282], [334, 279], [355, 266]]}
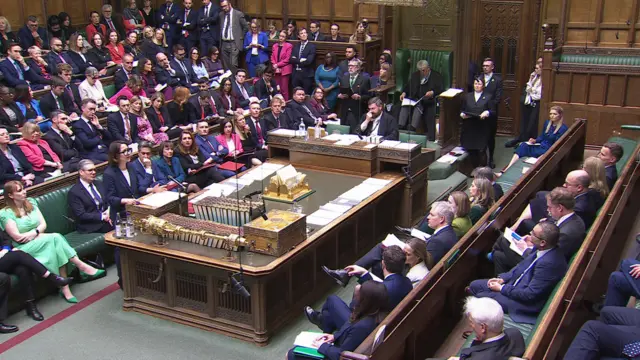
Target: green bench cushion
{"points": [[512, 175], [109, 90], [600, 59], [628, 145], [55, 210], [86, 244]]}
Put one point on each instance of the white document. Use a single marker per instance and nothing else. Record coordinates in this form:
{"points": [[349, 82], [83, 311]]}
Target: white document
{"points": [[391, 240], [225, 188], [334, 122], [447, 159], [451, 92], [389, 144], [160, 199], [378, 182], [409, 102], [332, 137], [525, 169], [340, 209], [225, 75], [344, 142], [245, 180], [283, 132], [513, 237], [419, 234], [135, 64], [306, 339], [319, 221], [287, 172], [458, 150], [326, 214], [112, 108], [160, 87], [531, 160], [406, 146], [370, 146]]}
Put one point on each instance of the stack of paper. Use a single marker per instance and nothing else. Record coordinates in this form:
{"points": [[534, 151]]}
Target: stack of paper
{"points": [[406, 146], [160, 199], [447, 159], [306, 339], [458, 150], [419, 234], [345, 142], [336, 208], [377, 182], [391, 240], [283, 132], [513, 239], [322, 217], [389, 144], [531, 160], [224, 189], [451, 92]]}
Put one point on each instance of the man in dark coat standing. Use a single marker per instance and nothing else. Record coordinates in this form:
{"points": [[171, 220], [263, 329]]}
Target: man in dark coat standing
{"points": [[493, 87], [354, 94]]}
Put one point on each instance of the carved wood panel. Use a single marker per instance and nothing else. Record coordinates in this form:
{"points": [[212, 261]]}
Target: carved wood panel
{"points": [[429, 27]]}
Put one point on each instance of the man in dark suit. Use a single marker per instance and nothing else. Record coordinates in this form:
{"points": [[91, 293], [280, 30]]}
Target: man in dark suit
{"points": [[58, 56], [302, 111], [277, 118], [350, 53], [233, 27], [354, 94], [31, 34], [241, 89], [165, 73], [378, 123], [615, 335], [112, 21], [65, 72], [255, 125], [424, 86], [303, 58], [266, 88], [60, 141], [204, 104], [17, 72], [168, 15], [523, 291], [87, 201], [150, 178], [58, 99], [493, 87], [188, 25], [209, 147], [125, 71], [492, 340], [315, 34], [610, 154], [184, 71], [335, 311], [560, 204], [121, 125], [623, 284], [209, 26], [91, 138]]}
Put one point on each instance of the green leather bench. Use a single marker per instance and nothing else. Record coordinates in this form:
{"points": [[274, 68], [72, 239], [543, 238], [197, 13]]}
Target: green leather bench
{"points": [[600, 59], [440, 61]]}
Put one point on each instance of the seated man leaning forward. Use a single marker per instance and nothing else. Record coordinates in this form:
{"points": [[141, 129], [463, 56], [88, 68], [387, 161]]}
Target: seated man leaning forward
{"points": [[523, 291]]}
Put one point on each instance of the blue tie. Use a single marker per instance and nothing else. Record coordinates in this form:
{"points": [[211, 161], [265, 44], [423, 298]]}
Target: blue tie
{"points": [[96, 196], [631, 350], [19, 69]]}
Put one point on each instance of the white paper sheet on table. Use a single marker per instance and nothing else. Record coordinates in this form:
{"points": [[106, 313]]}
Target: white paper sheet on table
{"points": [[360, 192], [332, 137], [315, 220], [389, 143], [345, 142], [378, 182], [225, 189], [447, 159], [326, 214], [419, 234], [160, 199], [341, 209], [531, 160], [370, 146], [409, 102], [391, 240], [283, 132], [405, 146]]}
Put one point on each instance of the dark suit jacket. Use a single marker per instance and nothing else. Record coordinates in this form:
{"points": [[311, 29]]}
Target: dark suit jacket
{"points": [[398, 286], [235, 89], [612, 175], [198, 109], [587, 206], [388, 127], [297, 112], [12, 78], [49, 104], [99, 57], [208, 25], [84, 210], [89, 140], [415, 91], [81, 64], [261, 91], [235, 103], [572, 233], [530, 294], [182, 117], [7, 171], [316, 37], [497, 191], [360, 87], [348, 337], [120, 78], [61, 145], [308, 66], [239, 28], [254, 131], [192, 28], [26, 39], [209, 145], [6, 121], [163, 76], [117, 188], [512, 344], [439, 244], [144, 179], [117, 23], [168, 19], [475, 131], [185, 79], [154, 119], [53, 60], [77, 99], [494, 88], [269, 122], [115, 125]]}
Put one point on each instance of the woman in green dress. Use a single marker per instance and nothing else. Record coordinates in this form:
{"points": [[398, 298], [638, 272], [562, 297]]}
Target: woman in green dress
{"points": [[482, 198], [24, 223], [462, 205]]}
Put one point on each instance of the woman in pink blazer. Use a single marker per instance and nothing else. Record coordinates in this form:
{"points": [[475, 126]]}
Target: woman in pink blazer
{"points": [[131, 89], [30, 144], [280, 55], [230, 140]]}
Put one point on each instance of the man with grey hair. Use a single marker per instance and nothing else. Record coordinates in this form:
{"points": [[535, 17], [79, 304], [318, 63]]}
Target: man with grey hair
{"points": [[354, 94], [112, 21], [423, 88], [88, 202], [523, 291], [492, 341], [60, 139], [444, 238]]}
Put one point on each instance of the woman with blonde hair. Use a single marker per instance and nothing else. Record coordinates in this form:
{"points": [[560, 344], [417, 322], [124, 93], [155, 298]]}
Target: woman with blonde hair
{"points": [[595, 168], [145, 130], [24, 223], [482, 198], [38, 152], [554, 128], [242, 129], [462, 205], [6, 35]]}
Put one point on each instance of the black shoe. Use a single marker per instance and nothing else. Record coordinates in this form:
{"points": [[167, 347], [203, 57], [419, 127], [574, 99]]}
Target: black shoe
{"points": [[313, 316], [511, 143], [340, 276], [491, 164], [59, 281], [5, 329], [32, 310]]}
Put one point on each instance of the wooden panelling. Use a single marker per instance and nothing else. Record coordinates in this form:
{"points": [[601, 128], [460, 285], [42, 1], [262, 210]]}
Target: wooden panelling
{"points": [[616, 90], [274, 8], [250, 7], [561, 93], [296, 7], [578, 85], [321, 8], [633, 86], [431, 27], [12, 10], [33, 8], [582, 10], [597, 89], [614, 11], [344, 9]]}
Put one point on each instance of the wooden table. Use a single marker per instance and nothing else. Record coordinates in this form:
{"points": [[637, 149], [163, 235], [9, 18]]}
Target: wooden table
{"points": [[189, 283]]}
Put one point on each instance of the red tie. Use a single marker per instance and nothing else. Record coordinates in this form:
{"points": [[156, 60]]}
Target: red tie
{"points": [[259, 130], [160, 118]]}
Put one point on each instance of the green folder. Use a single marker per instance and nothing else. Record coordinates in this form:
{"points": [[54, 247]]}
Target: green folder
{"points": [[307, 352]]}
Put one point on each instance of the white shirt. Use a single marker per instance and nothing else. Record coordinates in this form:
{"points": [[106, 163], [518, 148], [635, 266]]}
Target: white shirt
{"points": [[495, 338], [564, 218], [125, 172], [439, 229], [224, 26], [487, 78], [374, 128], [95, 91], [476, 95], [147, 170], [534, 89], [231, 145], [87, 186], [417, 273]]}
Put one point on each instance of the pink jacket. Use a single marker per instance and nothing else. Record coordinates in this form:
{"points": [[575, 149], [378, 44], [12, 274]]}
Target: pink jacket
{"points": [[33, 153], [236, 140], [125, 91], [283, 61]]}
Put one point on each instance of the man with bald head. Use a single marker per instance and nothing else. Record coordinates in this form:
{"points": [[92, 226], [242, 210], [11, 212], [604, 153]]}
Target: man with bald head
{"points": [[124, 72], [165, 74]]}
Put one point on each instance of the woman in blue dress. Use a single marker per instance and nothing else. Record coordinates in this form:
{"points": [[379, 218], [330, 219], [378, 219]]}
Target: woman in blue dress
{"points": [[328, 80], [553, 130]]}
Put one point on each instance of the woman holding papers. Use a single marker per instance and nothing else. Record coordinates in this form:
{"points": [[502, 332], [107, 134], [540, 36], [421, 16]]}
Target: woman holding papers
{"points": [[170, 167], [554, 128], [370, 299], [199, 169], [477, 106], [481, 192]]}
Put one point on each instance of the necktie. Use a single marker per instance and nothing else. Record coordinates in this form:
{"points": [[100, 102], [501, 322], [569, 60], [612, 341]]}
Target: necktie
{"points": [[278, 121], [243, 91], [61, 58], [631, 350], [213, 106], [227, 22], [259, 131], [96, 196], [59, 102], [206, 11], [19, 69], [352, 80], [127, 127], [160, 118], [424, 81], [302, 45], [111, 27], [68, 90], [184, 69], [535, 258], [186, 15], [308, 111], [279, 51], [169, 9]]}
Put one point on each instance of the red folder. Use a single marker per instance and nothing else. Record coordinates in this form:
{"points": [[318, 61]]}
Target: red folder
{"points": [[231, 166]]}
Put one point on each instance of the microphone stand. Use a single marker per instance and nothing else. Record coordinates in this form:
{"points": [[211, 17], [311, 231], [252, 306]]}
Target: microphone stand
{"points": [[180, 187]]}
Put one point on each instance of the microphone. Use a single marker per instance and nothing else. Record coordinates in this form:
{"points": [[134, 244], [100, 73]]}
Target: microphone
{"points": [[177, 182], [249, 195], [238, 286]]}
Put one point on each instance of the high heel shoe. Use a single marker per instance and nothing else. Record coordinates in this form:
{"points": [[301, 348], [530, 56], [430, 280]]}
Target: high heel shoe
{"points": [[71, 300], [59, 281], [99, 274], [32, 310]]}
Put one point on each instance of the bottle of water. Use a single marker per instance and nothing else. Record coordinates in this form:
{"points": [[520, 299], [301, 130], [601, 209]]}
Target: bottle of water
{"points": [[302, 129], [118, 226], [128, 226], [317, 131]]}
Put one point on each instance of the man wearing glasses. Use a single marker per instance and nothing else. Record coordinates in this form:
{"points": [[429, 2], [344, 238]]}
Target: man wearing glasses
{"points": [[32, 34], [523, 291], [57, 55], [90, 136]]}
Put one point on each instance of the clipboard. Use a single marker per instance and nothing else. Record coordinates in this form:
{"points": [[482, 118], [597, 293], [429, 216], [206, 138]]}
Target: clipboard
{"points": [[307, 352]]}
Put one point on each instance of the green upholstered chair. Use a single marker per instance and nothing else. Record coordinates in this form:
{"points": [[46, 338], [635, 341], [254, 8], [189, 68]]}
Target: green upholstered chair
{"points": [[415, 138], [340, 129], [405, 64], [628, 145], [109, 90]]}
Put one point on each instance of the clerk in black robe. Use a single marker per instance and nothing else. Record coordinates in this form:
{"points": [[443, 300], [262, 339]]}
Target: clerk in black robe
{"points": [[477, 106]]}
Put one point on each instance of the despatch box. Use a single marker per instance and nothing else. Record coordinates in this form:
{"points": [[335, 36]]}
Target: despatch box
{"points": [[278, 234]]}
